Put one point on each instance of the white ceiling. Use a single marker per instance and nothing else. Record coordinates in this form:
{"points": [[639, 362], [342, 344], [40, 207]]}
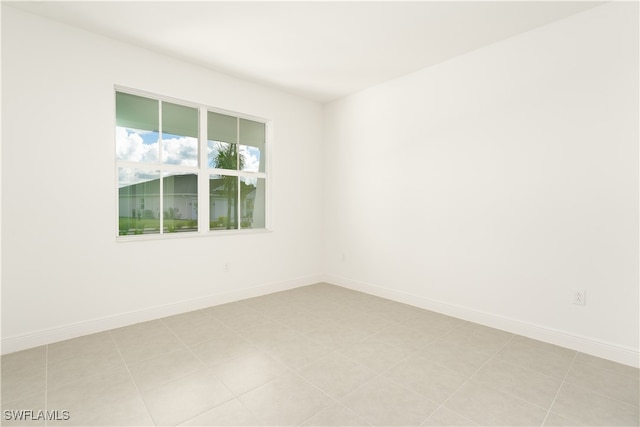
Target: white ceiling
{"points": [[320, 50]]}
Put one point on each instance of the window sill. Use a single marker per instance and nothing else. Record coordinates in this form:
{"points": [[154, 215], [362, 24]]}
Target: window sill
{"points": [[191, 235]]}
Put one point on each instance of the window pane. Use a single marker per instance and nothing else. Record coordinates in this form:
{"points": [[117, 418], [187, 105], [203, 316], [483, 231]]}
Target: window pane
{"points": [[221, 127], [180, 202], [252, 202], [223, 155], [179, 120], [223, 202], [250, 159], [139, 201], [136, 112], [136, 145], [222, 137], [179, 150], [252, 139], [179, 134], [136, 128]]}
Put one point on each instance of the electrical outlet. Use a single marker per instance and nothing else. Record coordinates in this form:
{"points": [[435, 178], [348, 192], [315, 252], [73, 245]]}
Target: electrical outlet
{"points": [[580, 297], [227, 267], [343, 257]]}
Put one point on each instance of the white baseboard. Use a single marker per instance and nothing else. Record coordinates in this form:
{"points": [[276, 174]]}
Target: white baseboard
{"points": [[616, 353], [47, 336], [605, 350]]}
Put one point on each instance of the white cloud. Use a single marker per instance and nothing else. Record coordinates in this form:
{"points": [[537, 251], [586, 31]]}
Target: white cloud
{"points": [[251, 158], [130, 146], [180, 151]]}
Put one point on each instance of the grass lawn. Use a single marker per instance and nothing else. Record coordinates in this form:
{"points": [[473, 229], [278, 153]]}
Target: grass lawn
{"points": [[128, 225]]}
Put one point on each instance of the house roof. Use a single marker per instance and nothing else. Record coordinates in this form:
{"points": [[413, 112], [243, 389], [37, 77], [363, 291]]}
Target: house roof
{"points": [[179, 184]]}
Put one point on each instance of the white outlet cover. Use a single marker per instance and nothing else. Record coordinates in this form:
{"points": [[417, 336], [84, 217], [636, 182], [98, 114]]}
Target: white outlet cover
{"points": [[579, 297]]}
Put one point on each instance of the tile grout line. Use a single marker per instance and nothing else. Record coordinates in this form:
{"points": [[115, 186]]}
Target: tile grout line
{"points": [[265, 351], [575, 356], [422, 347], [521, 399], [552, 377], [204, 366], [410, 354], [377, 373], [381, 374], [606, 396], [414, 352], [245, 406], [292, 371], [331, 398], [525, 369], [132, 379], [365, 382], [535, 404], [493, 387], [406, 357], [237, 396], [335, 349], [467, 381]]}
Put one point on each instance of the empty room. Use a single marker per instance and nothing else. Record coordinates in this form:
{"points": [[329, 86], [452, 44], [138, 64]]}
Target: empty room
{"points": [[320, 213]]}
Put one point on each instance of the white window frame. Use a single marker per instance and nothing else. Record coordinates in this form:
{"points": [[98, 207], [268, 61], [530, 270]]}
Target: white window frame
{"points": [[202, 171]]}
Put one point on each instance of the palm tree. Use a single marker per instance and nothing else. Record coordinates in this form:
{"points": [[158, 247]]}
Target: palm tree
{"points": [[229, 158]]}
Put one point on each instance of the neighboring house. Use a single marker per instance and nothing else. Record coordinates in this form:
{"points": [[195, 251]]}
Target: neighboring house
{"points": [[142, 200]]}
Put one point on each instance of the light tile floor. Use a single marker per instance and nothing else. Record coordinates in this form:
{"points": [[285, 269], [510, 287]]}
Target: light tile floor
{"points": [[319, 355]]}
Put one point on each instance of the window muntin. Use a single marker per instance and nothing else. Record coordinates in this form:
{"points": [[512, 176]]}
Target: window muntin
{"points": [[157, 154]]}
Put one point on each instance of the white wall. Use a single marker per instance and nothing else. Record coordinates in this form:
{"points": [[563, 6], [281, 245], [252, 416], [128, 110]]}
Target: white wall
{"points": [[63, 273], [488, 187], [493, 185]]}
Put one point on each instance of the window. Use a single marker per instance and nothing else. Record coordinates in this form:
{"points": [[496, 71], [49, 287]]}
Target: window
{"points": [[235, 149], [179, 164]]}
